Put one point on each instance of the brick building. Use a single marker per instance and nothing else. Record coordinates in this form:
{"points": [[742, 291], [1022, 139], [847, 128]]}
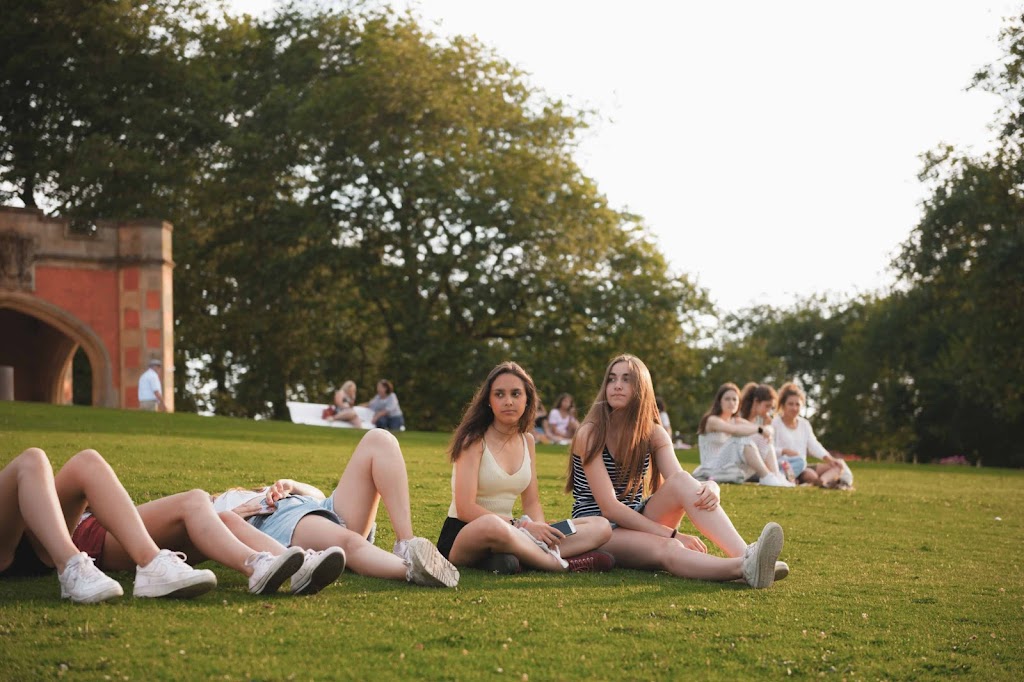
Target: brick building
{"points": [[106, 292]]}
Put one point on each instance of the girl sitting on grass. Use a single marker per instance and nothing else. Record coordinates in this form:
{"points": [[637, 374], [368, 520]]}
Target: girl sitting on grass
{"points": [[299, 514], [619, 445], [728, 453], [493, 463], [794, 440]]}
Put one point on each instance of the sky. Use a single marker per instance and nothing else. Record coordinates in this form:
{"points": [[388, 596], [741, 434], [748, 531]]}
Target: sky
{"points": [[772, 148]]}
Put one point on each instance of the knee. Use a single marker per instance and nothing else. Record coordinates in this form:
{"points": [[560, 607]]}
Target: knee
{"points": [[195, 499], [493, 527], [602, 529], [681, 484], [35, 459], [229, 518], [381, 440], [88, 457]]}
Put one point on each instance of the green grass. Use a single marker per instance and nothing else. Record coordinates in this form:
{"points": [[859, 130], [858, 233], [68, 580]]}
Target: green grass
{"points": [[917, 574]]}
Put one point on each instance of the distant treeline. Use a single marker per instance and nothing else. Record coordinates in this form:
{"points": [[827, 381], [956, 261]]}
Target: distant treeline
{"points": [[354, 197]]}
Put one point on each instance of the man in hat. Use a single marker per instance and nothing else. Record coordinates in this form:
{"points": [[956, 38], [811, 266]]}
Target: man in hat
{"points": [[151, 398]]}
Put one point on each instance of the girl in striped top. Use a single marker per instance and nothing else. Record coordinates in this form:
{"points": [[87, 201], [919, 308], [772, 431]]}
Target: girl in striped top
{"points": [[619, 444]]}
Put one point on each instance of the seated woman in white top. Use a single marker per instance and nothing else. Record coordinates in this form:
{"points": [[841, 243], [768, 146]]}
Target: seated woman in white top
{"points": [[493, 464], [727, 451], [757, 403], [562, 418], [794, 441]]}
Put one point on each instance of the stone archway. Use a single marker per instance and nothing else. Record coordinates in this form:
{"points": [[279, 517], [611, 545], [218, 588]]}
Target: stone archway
{"points": [[106, 290], [40, 341]]}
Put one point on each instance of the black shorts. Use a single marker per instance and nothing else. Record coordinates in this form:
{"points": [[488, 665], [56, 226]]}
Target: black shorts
{"points": [[449, 531], [26, 562]]}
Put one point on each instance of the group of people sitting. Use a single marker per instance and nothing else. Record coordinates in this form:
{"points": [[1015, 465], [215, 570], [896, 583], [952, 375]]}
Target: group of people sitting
{"points": [[559, 425], [387, 413], [758, 435], [629, 496]]}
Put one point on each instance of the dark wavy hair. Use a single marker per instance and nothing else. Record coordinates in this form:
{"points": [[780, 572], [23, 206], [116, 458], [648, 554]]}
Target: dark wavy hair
{"points": [[478, 415], [755, 393], [716, 405]]}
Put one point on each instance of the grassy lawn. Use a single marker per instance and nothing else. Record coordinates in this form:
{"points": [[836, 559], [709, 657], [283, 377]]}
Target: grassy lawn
{"points": [[917, 574]]}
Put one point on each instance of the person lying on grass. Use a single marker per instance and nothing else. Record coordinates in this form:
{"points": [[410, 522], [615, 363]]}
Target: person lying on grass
{"points": [[619, 444], [300, 515], [43, 523], [493, 463]]}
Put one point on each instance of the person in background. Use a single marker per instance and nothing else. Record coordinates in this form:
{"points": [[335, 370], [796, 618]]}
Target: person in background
{"points": [[151, 398], [562, 419], [666, 423], [757, 404], [623, 468], [795, 440], [387, 414], [344, 402], [727, 451]]}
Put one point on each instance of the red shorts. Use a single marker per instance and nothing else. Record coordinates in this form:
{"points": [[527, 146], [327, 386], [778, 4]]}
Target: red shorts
{"points": [[89, 537]]}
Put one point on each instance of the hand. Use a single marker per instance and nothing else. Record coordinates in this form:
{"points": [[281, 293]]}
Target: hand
{"points": [[552, 537], [281, 488], [768, 431], [253, 507], [692, 542], [708, 496]]}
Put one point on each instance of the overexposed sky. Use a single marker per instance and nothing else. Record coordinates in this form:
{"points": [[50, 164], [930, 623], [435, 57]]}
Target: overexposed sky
{"points": [[773, 148]]}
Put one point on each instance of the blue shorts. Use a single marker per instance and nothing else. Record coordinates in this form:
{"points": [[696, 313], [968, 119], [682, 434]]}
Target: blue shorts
{"points": [[799, 464], [291, 509]]}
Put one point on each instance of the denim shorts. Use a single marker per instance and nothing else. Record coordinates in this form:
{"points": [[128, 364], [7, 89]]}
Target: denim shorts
{"points": [[290, 510], [799, 464]]}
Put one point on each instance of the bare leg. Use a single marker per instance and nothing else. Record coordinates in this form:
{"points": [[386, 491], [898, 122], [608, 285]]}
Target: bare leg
{"points": [[636, 549], [28, 501], [810, 476], [678, 495], [87, 479], [318, 532], [187, 523], [591, 533], [491, 533], [376, 471], [753, 459]]}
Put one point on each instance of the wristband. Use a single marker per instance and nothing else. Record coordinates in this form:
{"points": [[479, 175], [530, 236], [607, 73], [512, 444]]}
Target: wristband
{"points": [[760, 430], [674, 532]]}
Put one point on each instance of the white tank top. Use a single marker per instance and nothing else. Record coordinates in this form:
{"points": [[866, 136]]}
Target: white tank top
{"points": [[497, 490]]}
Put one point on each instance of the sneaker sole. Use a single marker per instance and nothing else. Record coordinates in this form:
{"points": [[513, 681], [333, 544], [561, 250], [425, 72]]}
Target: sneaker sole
{"points": [[769, 547], [435, 570], [327, 571], [781, 570], [200, 583], [112, 592], [291, 561]]}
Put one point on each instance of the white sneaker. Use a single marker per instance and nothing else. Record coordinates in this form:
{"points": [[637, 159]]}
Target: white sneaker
{"points": [[167, 575], [781, 570], [760, 557], [426, 565], [775, 480], [269, 571], [318, 570], [83, 583]]}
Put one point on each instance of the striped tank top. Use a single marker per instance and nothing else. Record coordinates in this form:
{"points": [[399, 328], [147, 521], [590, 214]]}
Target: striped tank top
{"points": [[583, 502]]}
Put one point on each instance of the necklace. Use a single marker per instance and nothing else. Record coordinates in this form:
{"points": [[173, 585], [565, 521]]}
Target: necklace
{"points": [[509, 437]]}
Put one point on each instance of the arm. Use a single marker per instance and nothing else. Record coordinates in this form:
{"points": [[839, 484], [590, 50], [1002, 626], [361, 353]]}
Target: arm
{"points": [[286, 486], [740, 427], [814, 448], [531, 496]]}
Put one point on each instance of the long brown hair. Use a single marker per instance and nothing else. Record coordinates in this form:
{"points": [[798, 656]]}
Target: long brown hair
{"points": [[753, 393], [637, 420], [716, 405], [478, 415]]}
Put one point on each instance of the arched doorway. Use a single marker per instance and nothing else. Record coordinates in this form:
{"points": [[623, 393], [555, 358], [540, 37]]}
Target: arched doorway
{"points": [[40, 341]]}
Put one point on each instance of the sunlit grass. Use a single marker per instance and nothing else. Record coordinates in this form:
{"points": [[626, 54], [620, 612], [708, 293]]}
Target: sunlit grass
{"points": [[917, 574]]}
